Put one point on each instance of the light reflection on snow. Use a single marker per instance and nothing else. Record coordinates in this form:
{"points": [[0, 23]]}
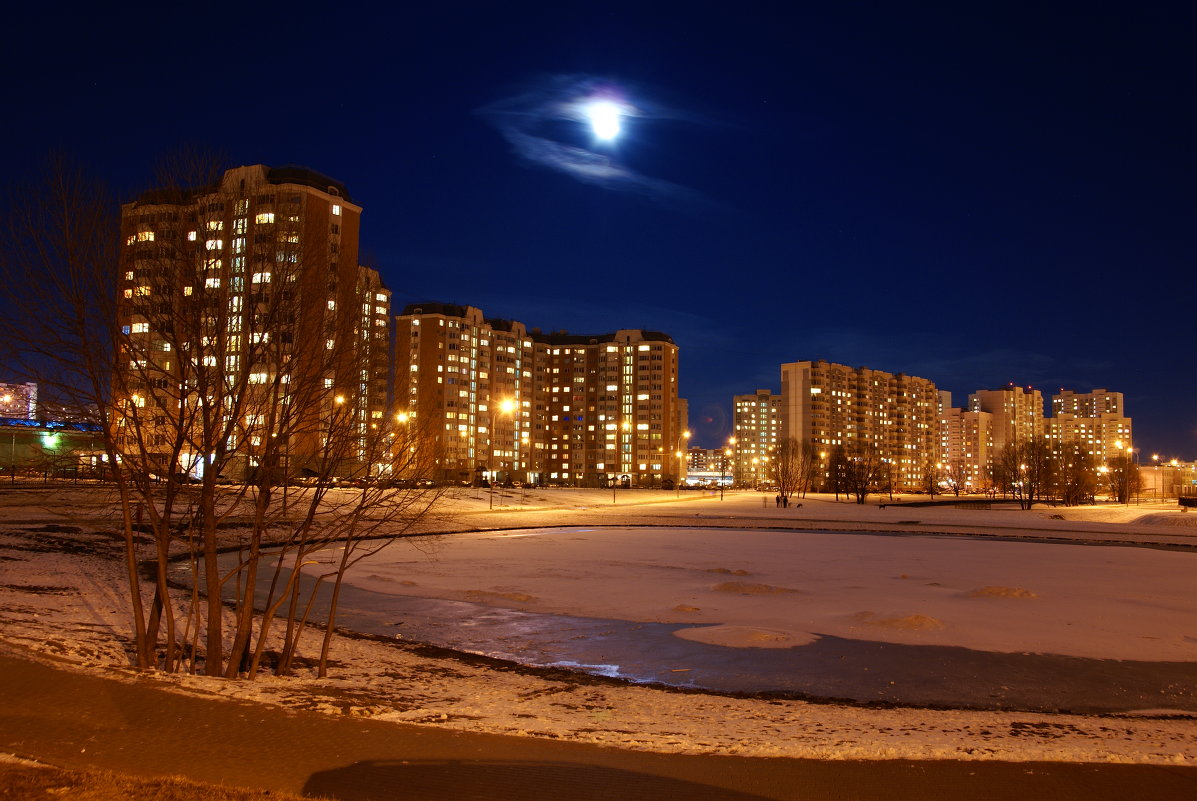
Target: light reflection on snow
{"points": [[610, 671]]}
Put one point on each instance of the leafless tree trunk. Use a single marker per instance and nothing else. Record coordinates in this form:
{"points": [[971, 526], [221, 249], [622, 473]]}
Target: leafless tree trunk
{"points": [[1026, 470], [786, 468], [1122, 477], [1076, 476], [863, 468], [220, 376]]}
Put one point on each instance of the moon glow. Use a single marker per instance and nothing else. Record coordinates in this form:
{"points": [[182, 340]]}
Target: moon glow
{"points": [[604, 117]]}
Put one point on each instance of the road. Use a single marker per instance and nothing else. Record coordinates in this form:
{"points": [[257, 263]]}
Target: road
{"points": [[77, 720]]}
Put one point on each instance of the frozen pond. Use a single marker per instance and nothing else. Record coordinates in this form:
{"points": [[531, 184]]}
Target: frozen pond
{"points": [[939, 621]]}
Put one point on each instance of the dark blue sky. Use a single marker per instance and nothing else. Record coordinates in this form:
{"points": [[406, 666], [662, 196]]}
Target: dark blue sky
{"points": [[976, 193]]}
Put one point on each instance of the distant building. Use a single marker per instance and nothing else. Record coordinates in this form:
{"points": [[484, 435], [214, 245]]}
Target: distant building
{"points": [[1017, 413], [832, 405], [1168, 478], [757, 420], [18, 400], [498, 401], [1095, 420], [709, 466], [966, 448]]}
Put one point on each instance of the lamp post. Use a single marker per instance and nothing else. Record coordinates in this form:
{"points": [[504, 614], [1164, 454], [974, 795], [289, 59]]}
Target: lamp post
{"points": [[723, 471], [683, 445], [735, 461], [505, 407]]}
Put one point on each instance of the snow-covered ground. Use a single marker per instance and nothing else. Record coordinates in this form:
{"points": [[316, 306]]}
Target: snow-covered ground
{"points": [[777, 589], [61, 594]]}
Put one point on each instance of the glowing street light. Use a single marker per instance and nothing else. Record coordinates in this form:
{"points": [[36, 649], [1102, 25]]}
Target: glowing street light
{"points": [[506, 406]]}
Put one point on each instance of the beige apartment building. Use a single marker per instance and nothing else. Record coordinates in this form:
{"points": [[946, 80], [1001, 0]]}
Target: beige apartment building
{"points": [[966, 448], [1095, 419], [757, 421], [247, 295], [1017, 413], [494, 400], [832, 405]]}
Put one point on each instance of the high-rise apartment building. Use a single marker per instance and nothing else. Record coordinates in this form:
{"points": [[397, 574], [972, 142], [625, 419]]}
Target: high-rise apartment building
{"points": [[832, 405], [244, 291], [966, 448], [493, 399], [1017, 413], [1095, 420], [757, 421]]}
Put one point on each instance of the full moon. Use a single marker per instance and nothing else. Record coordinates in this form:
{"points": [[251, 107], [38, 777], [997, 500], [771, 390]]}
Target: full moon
{"points": [[604, 119]]}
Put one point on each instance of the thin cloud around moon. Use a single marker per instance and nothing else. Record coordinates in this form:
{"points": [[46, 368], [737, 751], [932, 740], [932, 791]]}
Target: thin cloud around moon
{"points": [[527, 119]]}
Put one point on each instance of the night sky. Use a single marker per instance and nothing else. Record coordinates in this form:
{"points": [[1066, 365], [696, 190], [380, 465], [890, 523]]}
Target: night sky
{"points": [[975, 193]]}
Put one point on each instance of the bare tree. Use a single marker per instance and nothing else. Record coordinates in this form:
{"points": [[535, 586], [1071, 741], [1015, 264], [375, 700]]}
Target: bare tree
{"points": [[1076, 474], [218, 372], [863, 468], [957, 476], [837, 470], [787, 470], [1026, 470], [1122, 477], [932, 475]]}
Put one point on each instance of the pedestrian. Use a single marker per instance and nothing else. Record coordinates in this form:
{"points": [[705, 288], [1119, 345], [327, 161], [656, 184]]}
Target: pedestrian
{"points": [[777, 501]]}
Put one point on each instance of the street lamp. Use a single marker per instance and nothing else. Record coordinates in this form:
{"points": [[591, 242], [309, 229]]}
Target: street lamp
{"points": [[731, 450], [506, 406], [683, 446]]}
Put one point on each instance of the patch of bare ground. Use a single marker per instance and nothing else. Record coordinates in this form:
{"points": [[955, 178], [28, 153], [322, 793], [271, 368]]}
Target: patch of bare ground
{"points": [[22, 780]]}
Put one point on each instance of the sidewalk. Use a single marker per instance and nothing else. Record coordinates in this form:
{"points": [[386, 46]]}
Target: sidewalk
{"points": [[75, 720]]}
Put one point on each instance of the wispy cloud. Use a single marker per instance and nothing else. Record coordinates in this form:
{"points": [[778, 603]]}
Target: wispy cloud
{"points": [[530, 118]]}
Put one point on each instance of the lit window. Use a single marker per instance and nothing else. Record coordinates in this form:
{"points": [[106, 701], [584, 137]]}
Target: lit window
{"points": [[264, 218], [260, 278], [214, 244], [336, 210], [329, 344], [212, 283], [332, 305], [191, 236]]}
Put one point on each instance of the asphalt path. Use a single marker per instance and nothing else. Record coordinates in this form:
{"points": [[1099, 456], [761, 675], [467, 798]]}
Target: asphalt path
{"points": [[77, 720]]}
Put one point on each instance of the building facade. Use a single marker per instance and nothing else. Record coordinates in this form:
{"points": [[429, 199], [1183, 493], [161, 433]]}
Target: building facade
{"points": [[1017, 413], [497, 401], [18, 401], [757, 422], [244, 301], [966, 449], [1096, 420], [833, 405]]}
